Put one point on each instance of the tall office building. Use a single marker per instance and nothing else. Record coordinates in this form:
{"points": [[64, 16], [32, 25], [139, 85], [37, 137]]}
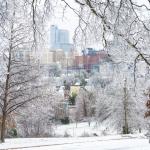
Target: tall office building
{"points": [[63, 36], [54, 36], [60, 39]]}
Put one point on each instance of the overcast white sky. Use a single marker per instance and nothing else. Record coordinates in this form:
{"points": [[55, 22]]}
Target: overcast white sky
{"points": [[70, 20]]}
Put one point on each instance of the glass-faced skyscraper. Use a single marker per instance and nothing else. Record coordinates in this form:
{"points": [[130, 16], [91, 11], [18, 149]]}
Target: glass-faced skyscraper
{"points": [[60, 39], [54, 36]]}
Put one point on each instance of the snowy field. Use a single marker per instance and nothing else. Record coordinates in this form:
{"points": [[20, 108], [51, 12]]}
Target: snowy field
{"points": [[117, 142], [76, 141]]}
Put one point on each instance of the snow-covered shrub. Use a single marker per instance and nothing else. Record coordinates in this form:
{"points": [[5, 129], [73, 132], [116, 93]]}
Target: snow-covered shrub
{"points": [[66, 134], [37, 119], [104, 132], [85, 134]]}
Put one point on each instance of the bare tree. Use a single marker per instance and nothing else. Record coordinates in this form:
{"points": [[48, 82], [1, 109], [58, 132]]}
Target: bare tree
{"points": [[18, 80], [118, 107], [85, 103]]}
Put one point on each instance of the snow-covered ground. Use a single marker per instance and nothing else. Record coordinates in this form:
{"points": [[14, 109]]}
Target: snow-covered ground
{"points": [[117, 142], [78, 140], [81, 129]]}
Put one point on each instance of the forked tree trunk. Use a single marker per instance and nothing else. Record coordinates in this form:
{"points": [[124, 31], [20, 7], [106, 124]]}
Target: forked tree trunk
{"points": [[4, 114]]}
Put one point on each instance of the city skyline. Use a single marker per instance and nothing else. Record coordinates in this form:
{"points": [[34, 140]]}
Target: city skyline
{"points": [[65, 19]]}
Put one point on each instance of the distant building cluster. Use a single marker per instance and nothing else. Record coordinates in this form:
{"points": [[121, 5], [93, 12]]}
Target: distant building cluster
{"points": [[90, 60], [62, 56]]}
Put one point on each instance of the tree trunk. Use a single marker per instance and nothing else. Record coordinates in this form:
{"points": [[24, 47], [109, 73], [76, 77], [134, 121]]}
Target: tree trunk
{"points": [[84, 108], [3, 128], [125, 128], [4, 114]]}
